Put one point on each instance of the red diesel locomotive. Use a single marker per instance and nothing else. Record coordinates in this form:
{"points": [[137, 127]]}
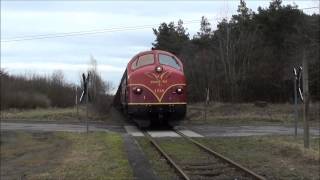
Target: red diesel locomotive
{"points": [[153, 87]]}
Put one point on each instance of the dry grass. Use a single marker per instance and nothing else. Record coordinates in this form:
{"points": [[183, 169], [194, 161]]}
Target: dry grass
{"points": [[63, 156], [42, 114], [276, 157], [160, 165], [53, 114], [227, 113]]}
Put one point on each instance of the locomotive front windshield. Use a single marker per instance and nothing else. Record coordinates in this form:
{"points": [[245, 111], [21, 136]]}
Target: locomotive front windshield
{"points": [[143, 61], [168, 60]]}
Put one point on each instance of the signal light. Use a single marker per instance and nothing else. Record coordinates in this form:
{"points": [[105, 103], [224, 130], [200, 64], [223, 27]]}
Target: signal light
{"points": [[137, 90], [179, 91]]}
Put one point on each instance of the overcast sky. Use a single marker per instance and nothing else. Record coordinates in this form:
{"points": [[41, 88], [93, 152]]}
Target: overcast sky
{"points": [[113, 49]]}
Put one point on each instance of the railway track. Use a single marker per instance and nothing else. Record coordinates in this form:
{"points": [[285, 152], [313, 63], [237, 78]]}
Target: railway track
{"points": [[211, 165]]}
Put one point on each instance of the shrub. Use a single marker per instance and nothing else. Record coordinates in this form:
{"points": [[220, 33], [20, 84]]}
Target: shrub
{"points": [[23, 100], [25, 92]]}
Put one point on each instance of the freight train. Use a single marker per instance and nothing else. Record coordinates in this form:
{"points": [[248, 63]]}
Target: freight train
{"points": [[153, 89]]}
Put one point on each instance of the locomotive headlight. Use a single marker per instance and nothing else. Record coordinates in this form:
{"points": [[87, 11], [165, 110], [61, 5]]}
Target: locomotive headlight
{"points": [[179, 91], [159, 69], [137, 90]]}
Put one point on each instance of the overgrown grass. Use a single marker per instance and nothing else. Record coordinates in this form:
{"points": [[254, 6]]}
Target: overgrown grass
{"points": [[276, 157], [188, 156], [43, 114], [60, 155], [231, 114], [183, 151], [159, 164]]}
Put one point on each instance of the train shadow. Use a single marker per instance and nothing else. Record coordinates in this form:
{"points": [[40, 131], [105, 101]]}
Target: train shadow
{"points": [[159, 126], [142, 123], [153, 124]]}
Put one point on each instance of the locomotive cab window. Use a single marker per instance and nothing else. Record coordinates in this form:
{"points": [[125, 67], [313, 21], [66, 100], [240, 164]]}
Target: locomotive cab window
{"points": [[168, 60], [143, 61]]}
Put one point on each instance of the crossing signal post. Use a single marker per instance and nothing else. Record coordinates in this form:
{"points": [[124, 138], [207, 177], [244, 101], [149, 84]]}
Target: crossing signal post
{"points": [[296, 89], [302, 73], [85, 95]]}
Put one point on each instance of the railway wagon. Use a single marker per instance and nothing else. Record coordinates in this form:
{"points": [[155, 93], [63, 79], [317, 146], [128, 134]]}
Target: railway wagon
{"points": [[153, 88]]}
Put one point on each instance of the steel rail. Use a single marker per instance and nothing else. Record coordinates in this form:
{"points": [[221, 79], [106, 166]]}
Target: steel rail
{"points": [[164, 154], [248, 171]]}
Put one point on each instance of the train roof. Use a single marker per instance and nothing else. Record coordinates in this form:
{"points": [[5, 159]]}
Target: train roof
{"points": [[153, 52]]}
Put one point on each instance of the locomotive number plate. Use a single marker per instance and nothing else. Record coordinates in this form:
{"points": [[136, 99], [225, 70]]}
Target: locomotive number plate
{"points": [[158, 90]]}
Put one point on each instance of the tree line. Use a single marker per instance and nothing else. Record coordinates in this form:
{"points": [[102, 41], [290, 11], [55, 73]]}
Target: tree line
{"points": [[249, 57], [39, 91], [35, 91]]}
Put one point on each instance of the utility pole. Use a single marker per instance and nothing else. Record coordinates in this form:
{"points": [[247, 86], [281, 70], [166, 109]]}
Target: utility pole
{"points": [[305, 82], [87, 102], [230, 82], [206, 103], [77, 107], [295, 79], [227, 41]]}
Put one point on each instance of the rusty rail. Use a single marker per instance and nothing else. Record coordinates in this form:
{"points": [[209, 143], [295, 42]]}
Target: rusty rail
{"points": [[168, 158]]}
